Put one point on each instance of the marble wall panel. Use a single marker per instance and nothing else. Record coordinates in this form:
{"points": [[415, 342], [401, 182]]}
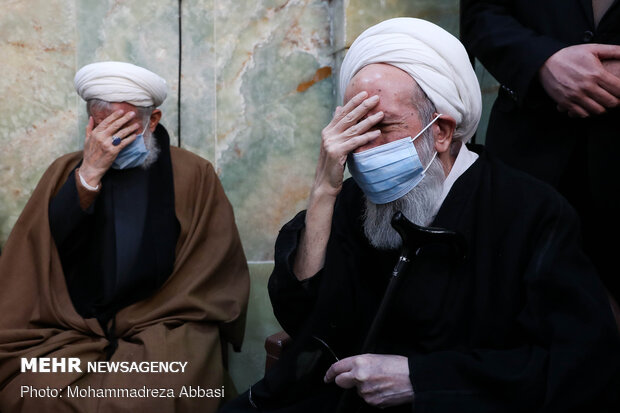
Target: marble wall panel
{"points": [[38, 106], [361, 14], [274, 96], [198, 81], [143, 32]]}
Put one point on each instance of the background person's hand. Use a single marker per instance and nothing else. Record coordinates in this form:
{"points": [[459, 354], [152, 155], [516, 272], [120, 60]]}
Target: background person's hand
{"points": [[579, 82], [99, 152], [343, 135], [381, 380]]}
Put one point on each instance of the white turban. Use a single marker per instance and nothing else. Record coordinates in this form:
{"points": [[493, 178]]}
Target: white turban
{"points": [[120, 82], [434, 58]]}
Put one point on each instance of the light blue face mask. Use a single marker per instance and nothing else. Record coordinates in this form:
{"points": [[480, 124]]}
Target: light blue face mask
{"points": [[387, 172], [133, 154]]}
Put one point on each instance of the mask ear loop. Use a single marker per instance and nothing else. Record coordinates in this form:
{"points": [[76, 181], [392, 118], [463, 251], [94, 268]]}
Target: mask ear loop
{"points": [[144, 130], [427, 126], [420, 133], [430, 163]]}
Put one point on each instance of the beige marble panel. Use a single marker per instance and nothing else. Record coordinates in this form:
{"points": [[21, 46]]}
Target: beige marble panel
{"points": [[142, 32], [361, 14], [198, 83], [38, 106], [274, 96]]}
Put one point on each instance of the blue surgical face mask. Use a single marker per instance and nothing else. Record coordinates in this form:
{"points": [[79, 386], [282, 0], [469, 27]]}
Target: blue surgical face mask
{"points": [[133, 154], [387, 172]]}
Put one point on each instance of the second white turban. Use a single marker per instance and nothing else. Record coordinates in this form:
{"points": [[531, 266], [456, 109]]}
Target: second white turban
{"points": [[120, 82]]}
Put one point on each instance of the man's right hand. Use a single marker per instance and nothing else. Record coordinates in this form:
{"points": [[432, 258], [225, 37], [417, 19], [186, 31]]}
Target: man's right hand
{"points": [[579, 82], [347, 131], [99, 152], [343, 135]]}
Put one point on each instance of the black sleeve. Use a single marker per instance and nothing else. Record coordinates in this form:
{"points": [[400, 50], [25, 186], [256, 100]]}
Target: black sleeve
{"points": [[571, 359], [512, 52], [291, 299], [67, 218]]}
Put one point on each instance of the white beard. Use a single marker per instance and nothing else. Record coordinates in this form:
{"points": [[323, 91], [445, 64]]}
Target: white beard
{"points": [[420, 205], [153, 147]]}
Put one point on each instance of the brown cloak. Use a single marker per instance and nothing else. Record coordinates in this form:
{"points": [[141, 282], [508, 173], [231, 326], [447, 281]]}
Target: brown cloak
{"points": [[206, 295]]}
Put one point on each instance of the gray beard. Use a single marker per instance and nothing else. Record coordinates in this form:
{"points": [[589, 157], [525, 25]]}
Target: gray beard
{"points": [[153, 147], [420, 205]]}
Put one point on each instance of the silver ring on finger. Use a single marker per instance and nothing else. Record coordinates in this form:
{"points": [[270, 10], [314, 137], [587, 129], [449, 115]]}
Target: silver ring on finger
{"points": [[116, 140]]}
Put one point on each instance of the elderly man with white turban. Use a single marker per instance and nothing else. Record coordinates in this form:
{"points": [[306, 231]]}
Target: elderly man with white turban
{"points": [[520, 324], [126, 252]]}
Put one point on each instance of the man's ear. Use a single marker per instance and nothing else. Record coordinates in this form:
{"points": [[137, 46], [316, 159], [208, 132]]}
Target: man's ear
{"points": [[154, 120], [443, 130]]}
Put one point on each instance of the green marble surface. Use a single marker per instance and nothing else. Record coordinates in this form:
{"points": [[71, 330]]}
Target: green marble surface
{"points": [[361, 14], [268, 128], [142, 32], [37, 109]]}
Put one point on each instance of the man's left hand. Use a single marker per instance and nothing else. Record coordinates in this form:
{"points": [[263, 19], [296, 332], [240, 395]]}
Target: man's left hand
{"points": [[381, 380]]}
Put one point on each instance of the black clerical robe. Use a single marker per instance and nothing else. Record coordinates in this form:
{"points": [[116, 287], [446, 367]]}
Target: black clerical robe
{"points": [[521, 324]]}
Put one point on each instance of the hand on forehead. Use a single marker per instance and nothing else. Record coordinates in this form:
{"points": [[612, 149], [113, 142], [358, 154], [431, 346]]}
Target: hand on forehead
{"points": [[99, 116]]}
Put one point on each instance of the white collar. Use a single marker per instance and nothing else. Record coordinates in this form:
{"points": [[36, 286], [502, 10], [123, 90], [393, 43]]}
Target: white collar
{"points": [[464, 159]]}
